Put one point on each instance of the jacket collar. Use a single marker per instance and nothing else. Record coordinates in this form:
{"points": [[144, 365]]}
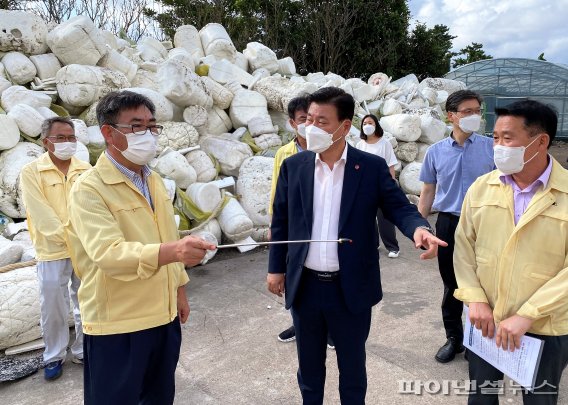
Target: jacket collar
{"points": [[109, 173], [45, 163]]}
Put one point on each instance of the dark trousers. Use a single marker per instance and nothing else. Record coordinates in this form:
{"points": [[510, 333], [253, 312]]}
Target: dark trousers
{"points": [[387, 232], [320, 308], [553, 361], [451, 307], [132, 368]]}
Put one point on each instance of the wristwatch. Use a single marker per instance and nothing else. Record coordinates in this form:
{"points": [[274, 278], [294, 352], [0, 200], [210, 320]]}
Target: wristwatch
{"points": [[427, 228]]}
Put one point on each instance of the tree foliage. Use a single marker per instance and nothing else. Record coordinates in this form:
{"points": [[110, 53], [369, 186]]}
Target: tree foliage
{"points": [[471, 53]]}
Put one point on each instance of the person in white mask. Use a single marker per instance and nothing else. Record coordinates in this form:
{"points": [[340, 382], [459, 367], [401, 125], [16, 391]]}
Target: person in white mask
{"points": [[334, 191], [46, 184], [125, 244], [449, 168], [372, 141], [511, 251]]}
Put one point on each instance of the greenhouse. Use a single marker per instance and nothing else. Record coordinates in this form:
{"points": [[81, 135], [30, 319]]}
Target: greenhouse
{"points": [[505, 80]]}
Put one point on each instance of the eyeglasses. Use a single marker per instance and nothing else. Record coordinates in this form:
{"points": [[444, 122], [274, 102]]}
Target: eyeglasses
{"points": [[138, 129], [62, 138], [470, 111]]}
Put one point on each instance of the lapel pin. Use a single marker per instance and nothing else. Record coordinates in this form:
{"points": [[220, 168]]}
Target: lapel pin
{"points": [[356, 167]]}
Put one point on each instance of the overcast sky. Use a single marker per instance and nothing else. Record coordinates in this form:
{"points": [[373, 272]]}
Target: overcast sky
{"points": [[506, 28]]}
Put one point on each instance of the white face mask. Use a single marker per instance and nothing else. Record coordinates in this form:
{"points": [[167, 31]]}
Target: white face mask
{"points": [[470, 124], [319, 140], [511, 159], [301, 130], [368, 129], [141, 148], [64, 150]]}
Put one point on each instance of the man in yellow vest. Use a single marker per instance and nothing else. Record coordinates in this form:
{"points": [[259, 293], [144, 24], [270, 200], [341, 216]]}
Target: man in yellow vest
{"points": [[45, 185]]}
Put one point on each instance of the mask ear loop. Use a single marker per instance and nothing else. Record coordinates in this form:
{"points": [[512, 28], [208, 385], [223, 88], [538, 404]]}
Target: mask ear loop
{"points": [[526, 147]]}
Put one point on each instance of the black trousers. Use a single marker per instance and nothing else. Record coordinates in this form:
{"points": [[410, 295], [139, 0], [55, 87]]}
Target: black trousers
{"points": [[387, 232], [452, 308], [319, 309], [132, 368], [553, 361]]}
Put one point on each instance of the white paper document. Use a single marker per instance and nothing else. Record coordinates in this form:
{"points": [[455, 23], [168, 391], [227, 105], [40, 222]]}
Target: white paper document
{"points": [[520, 365]]}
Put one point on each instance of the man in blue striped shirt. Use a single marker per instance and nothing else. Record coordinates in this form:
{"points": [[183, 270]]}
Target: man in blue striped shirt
{"points": [[450, 167]]}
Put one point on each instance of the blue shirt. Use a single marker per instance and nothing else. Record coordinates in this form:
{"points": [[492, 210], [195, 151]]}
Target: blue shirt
{"points": [[140, 182], [453, 168]]}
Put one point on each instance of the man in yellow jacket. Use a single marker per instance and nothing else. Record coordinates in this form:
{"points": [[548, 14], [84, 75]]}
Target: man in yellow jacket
{"points": [[511, 254], [126, 250], [45, 185]]}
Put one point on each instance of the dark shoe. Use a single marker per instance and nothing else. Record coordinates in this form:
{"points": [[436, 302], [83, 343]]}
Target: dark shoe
{"points": [[289, 335], [53, 370], [448, 352], [330, 344]]}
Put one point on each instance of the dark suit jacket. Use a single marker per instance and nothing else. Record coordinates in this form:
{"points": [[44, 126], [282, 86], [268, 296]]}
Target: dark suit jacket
{"points": [[367, 185]]}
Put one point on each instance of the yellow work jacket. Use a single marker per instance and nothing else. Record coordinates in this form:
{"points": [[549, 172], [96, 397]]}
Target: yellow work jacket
{"points": [[291, 148], [45, 190], [115, 239], [520, 269]]}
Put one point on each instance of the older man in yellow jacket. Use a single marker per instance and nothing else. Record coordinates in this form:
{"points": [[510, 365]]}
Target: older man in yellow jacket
{"points": [[511, 254], [126, 250], [45, 189]]}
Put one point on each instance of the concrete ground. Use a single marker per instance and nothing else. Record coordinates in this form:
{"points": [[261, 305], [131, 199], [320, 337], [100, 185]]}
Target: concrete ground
{"points": [[230, 354]]}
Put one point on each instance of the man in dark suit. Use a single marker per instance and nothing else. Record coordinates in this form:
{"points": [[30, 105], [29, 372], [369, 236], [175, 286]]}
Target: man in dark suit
{"points": [[330, 194]]}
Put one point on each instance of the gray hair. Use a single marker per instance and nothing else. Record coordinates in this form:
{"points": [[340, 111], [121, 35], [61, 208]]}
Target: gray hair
{"points": [[48, 123]]}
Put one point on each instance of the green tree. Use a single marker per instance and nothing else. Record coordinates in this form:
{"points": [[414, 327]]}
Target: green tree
{"points": [[471, 53]]}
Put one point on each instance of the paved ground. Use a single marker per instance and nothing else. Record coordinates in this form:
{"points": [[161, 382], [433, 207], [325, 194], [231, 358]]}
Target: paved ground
{"points": [[230, 354]]}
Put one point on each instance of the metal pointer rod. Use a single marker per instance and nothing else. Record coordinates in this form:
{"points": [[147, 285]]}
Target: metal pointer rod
{"points": [[340, 240]]}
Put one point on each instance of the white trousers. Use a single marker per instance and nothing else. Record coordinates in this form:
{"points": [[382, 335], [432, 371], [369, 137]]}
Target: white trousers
{"points": [[56, 282]]}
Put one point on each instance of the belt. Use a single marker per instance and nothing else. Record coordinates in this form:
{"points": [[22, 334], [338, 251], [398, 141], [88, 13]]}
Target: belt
{"points": [[322, 275], [448, 214]]}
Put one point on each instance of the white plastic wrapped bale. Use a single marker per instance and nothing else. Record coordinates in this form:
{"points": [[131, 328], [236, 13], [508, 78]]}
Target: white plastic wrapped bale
{"points": [[363, 91], [438, 83], [96, 143], [73, 110], [29, 120], [77, 40], [253, 186], [414, 199], [20, 95], [224, 71], [11, 163], [406, 151], [234, 221], [208, 237], [145, 79], [46, 112], [216, 41], [110, 39], [213, 227], [203, 165], [230, 154], [82, 152], [187, 37], [261, 73], [260, 233], [81, 131], [151, 49], [19, 67], [222, 97], [47, 65], [181, 85], [430, 95], [267, 141], [196, 116], [173, 165], [177, 135], [164, 107], [206, 196], [261, 56], [10, 252], [391, 107], [218, 121], [19, 307], [391, 139], [432, 129], [403, 127], [242, 62], [25, 241], [22, 32], [115, 61], [83, 85], [422, 148], [4, 84], [182, 55], [246, 105], [260, 125], [286, 66], [89, 115], [9, 132], [278, 91], [409, 178]]}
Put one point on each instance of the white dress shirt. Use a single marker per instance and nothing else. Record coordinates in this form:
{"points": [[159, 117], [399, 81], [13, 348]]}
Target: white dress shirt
{"points": [[328, 186]]}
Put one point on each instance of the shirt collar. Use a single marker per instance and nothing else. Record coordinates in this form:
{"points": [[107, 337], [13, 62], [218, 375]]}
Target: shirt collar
{"points": [[126, 171], [343, 157], [470, 139], [542, 179], [298, 145]]}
